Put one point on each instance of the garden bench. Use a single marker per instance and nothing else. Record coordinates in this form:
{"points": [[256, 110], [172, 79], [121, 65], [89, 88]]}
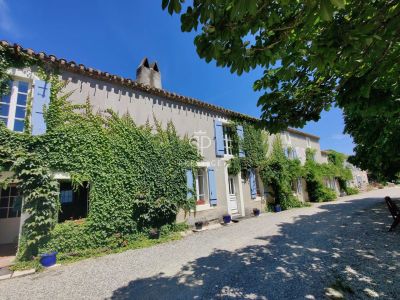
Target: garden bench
{"points": [[394, 210]]}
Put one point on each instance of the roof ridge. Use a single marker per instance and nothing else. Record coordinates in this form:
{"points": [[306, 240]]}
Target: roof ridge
{"points": [[92, 72]]}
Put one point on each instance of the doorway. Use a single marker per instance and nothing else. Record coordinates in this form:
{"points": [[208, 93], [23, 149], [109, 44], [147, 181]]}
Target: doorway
{"points": [[233, 195]]}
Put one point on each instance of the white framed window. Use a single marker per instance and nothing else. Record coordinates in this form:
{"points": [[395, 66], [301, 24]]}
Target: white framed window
{"points": [[308, 142], [201, 186], [231, 185], [8, 197], [228, 141], [13, 106]]}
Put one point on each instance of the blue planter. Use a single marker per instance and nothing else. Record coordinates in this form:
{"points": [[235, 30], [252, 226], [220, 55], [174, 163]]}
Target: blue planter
{"points": [[48, 259], [227, 219], [277, 208]]}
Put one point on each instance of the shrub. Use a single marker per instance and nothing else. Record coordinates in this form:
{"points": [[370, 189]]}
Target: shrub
{"points": [[278, 172], [352, 191], [69, 236], [326, 194]]}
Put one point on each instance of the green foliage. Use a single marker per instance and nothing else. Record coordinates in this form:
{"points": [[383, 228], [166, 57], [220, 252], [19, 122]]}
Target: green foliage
{"points": [[234, 166], [352, 191], [314, 176], [71, 236], [255, 147], [74, 239], [10, 59], [316, 54], [278, 172], [38, 189], [253, 144], [136, 177]]}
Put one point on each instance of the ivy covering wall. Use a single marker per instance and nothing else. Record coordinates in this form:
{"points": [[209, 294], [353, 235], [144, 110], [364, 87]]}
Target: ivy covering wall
{"points": [[135, 174], [316, 173], [278, 172]]}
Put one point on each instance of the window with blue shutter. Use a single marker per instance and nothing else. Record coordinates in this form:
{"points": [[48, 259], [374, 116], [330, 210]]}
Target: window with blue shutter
{"points": [[41, 98], [189, 182], [253, 184], [212, 187], [240, 133], [219, 138]]}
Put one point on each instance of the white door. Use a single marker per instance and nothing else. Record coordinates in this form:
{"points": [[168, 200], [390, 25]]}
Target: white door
{"points": [[233, 206]]}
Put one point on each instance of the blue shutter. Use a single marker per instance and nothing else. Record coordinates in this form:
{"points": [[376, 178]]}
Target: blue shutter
{"points": [[212, 186], [253, 186], [189, 181], [41, 98], [219, 138], [239, 130]]}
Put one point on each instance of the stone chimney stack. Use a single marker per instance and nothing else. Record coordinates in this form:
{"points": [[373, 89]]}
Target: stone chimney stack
{"points": [[149, 74]]}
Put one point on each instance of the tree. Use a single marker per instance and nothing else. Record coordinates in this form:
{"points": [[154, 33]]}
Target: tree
{"points": [[316, 54]]}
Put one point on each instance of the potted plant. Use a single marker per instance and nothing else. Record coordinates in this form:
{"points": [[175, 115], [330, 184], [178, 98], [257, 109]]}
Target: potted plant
{"points": [[256, 212], [154, 233], [277, 208], [48, 259], [227, 218], [199, 225]]}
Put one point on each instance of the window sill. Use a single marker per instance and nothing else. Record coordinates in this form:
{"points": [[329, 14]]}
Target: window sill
{"points": [[227, 157], [203, 207]]}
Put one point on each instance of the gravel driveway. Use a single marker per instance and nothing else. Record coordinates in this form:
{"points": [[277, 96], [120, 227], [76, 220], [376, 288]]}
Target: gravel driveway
{"points": [[295, 254]]}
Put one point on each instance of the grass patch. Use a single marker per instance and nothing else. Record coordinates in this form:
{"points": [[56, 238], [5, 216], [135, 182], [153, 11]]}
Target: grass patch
{"points": [[27, 265], [141, 242]]}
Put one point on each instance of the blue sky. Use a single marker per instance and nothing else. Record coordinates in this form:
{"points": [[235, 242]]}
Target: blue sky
{"points": [[115, 37]]}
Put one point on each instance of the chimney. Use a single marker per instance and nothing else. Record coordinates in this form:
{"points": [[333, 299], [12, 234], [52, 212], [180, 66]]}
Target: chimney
{"points": [[149, 74]]}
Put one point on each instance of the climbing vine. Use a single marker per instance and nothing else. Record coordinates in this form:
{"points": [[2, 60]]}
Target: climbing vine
{"points": [[253, 145], [278, 172], [316, 173], [136, 174]]}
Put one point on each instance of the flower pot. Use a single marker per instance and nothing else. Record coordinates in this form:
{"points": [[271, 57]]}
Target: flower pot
{"points": [[154, 234], [256, 212], [227, 219], [198, 225], [277, 208], [200, 202], [48, 259]]}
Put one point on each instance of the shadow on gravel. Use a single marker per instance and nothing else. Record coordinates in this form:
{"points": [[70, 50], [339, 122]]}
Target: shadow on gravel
{"points": [[344, 247]]}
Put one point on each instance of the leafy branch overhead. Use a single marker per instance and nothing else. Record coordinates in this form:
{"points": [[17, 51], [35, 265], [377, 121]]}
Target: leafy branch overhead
{"points": [[315, 54]]}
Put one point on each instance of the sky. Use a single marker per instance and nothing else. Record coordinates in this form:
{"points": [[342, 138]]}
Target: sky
{"points": [[114, 36]]}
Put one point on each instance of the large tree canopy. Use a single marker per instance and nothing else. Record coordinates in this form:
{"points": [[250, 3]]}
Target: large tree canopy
{"points": [[316, 53]]}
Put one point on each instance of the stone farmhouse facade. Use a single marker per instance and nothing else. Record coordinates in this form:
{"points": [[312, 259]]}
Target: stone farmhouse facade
{"points": [[144, 99]]}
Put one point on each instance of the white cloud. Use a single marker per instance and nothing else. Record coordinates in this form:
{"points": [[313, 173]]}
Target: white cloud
{"points": [[6, 23]]}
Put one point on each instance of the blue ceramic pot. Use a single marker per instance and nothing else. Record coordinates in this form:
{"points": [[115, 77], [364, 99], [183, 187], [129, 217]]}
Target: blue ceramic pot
{"points": [[48, 259], [227, 219], [277, 208]]}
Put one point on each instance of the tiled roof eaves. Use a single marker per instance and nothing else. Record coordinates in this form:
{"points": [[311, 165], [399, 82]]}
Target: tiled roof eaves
{"points": [[105, 76]]}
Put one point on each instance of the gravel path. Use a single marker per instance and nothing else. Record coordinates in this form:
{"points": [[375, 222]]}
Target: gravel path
{"points": [[296, 254]]}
